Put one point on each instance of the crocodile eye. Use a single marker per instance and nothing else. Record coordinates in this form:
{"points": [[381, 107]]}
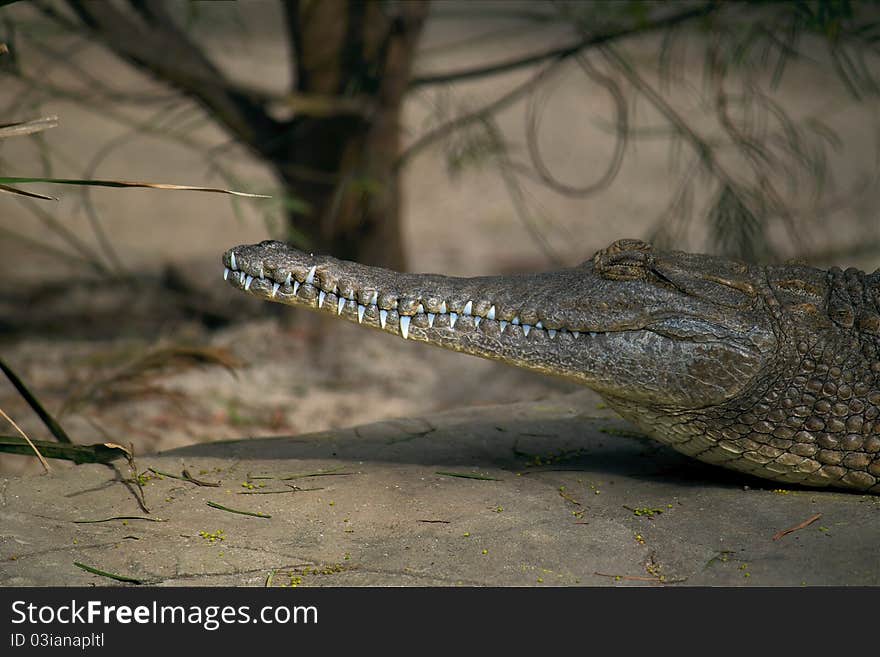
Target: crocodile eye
{"points": [[624, 260]]}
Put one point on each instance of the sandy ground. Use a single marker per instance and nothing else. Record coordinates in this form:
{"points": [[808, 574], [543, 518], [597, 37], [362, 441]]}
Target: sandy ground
{"points": [[555, 493], [79, 334]]}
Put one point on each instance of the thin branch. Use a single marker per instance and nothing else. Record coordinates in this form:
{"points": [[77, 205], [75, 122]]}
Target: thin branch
{"points": [[564, 52], [700, 145], [47, 248], [167, 52], [89, 173], [517, 196], [66, 234], [621, 133], [92, 84], [481, 114], [50, 422]]}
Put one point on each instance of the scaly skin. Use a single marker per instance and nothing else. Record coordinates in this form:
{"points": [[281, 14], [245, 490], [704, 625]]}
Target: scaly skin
{"points": [[773, 371]]}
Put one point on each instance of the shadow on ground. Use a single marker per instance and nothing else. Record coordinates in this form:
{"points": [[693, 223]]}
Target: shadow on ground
{"points": [[550, 493]]}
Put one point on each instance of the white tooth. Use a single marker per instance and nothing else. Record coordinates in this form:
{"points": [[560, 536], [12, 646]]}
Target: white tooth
{"points": [[311, 276], [551, 333], [453, 318], [261, 271], [247, 282], [225, 273], [515, 321], [232, 261], [477, 320], [295, 286], [539, 325], [526, 329], [593, 335], [321, 296], [341, 305], [374, 300], [361, 311], [288, 279], [275, 287], [467, 308], [383, 316], [420, 308], [503, 325], [430, 320], [491, 313], [404, 325], [443, 310], [576, 334]]}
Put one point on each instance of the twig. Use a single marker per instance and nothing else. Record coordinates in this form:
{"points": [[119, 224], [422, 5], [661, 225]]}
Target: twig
{"points": [[188, 477], [142, 499], [24, 435], [634, 578], [292, 489], [82, 522], [805, 523], [523, 473], [299, 475], [467, 475], [256, 514], [185, 476]]}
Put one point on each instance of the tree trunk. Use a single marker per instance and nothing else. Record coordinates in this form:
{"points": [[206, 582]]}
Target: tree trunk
{"points": [[359, 56]]}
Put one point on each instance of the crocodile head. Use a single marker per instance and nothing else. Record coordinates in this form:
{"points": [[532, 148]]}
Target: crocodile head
{"points": [[772, 371], [665, 331]]}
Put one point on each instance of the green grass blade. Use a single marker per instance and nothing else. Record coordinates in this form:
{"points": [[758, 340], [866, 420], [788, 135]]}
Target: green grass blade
{"points": [[98, 453], [95, 571], [467, 475], [255, 514]]}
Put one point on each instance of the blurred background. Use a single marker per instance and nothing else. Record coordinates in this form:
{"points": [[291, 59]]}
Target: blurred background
{"points": [[457, 137]]}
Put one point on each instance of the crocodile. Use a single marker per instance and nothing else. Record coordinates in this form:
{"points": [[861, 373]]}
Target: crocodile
{"points": [[769, 370]]}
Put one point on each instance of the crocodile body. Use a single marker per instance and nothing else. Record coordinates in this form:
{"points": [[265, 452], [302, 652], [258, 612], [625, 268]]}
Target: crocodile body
{"points": [[768, 370]]}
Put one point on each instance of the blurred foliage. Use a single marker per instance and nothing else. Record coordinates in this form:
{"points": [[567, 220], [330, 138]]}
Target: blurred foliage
{"points": [[739, 169], [749, 156]]}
